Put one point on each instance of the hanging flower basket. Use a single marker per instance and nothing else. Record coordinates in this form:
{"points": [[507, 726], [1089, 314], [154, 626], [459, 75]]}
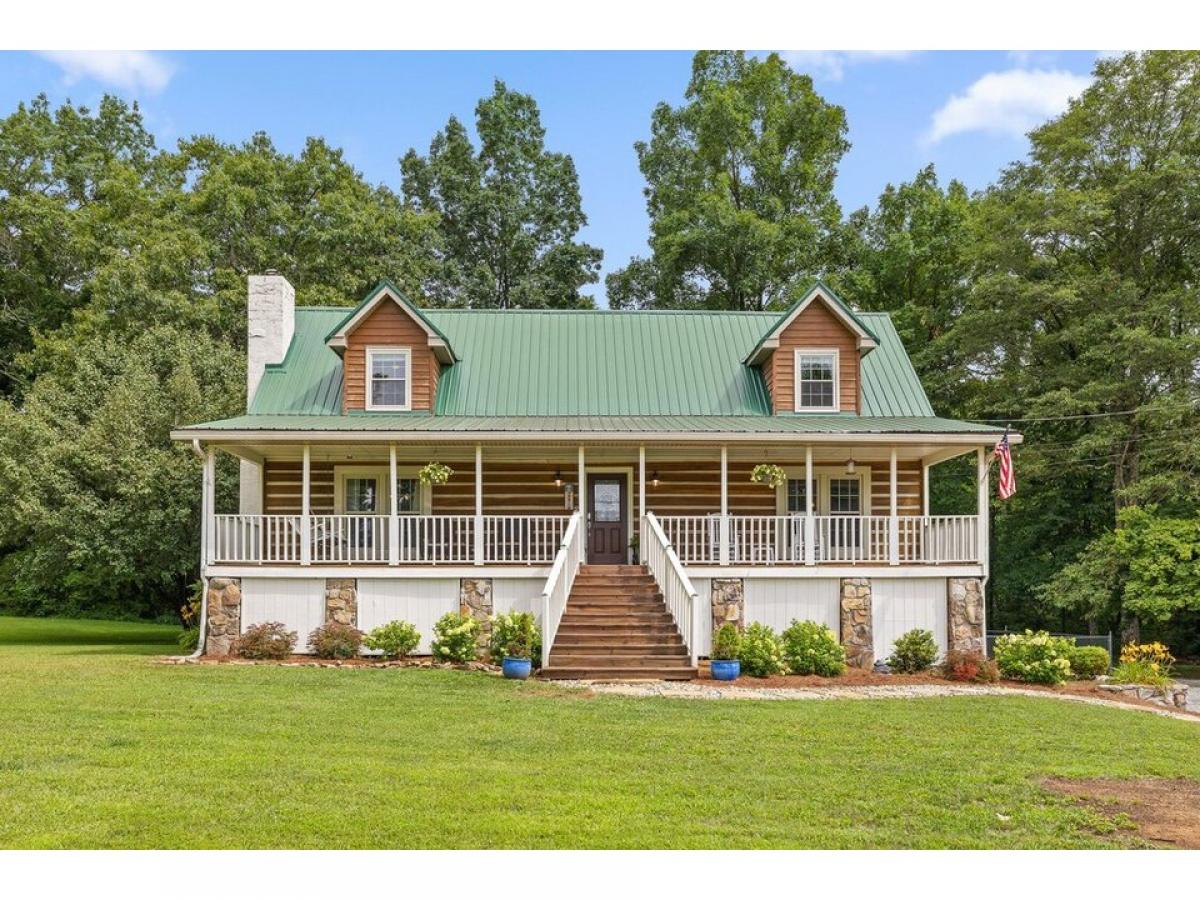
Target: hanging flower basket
{"points": [[434, 473], [768, 474]]}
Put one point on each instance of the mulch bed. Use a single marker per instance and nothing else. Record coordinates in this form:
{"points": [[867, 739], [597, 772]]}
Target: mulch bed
{"points": [[297, 660], [1166, 810]]}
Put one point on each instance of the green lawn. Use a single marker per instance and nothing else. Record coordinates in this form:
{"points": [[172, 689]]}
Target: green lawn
{"points": [[101, 747]]}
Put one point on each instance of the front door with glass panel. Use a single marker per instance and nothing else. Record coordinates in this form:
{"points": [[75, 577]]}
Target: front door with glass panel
{"points": [[606, 519], [839, 497]]}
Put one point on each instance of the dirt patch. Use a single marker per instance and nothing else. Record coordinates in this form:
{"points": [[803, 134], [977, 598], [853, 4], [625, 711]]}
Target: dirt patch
{"points": [[1166, 810]]}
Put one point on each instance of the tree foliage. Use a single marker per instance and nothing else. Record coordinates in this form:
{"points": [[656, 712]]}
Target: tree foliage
{"points": [[739, 188], [508, 214]]}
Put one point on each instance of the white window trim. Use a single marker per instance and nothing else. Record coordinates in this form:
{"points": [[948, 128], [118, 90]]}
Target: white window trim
{"points": [[341, 473], [837, 378], [406, 352], [821, 476]]}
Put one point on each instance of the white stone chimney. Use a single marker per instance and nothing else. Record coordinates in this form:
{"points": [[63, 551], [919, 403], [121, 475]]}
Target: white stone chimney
{"points": [[271, 321]]}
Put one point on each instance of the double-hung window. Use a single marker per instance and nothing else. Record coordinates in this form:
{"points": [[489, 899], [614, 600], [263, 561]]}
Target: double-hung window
{"points": [[389, 379], [817, 381]]}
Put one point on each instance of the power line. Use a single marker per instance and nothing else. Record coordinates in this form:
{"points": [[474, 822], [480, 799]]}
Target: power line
{"points": [[1143, 438], [1103, 415]]}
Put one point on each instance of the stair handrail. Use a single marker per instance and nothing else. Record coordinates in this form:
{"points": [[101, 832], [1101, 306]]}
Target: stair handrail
{"points": [[558, 583], [677, 589]]}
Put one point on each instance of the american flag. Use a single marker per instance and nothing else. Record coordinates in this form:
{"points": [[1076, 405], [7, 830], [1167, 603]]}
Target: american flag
{"points": [[1007, 485]]}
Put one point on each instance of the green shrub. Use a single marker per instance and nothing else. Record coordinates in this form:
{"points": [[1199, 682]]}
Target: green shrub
{"points": [[1088, 662], [727, 642], [515, 634], [267, 640], [1035, 657], [1141, 671], [914, 651], [189, 639], [761, 654], [813, 649], [394, 640], [335, 640], [455, 638], [969, 665]]}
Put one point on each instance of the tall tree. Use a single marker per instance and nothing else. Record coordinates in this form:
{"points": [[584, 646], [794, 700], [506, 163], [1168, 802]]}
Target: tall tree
{"points": [[508, 214], [1086, 302], [739, 188]]}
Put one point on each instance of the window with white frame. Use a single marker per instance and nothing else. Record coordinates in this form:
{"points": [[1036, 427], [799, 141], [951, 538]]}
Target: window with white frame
{"points": [[389, 379], [817, 381]]}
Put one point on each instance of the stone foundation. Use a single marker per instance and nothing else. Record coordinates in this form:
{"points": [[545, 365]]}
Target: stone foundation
{"points": [[728, 601], [964, 614], [857, 636], [224, 613], [341, 601], [475, 600]]}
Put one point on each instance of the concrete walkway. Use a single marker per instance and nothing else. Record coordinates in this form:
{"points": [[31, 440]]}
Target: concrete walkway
{"points": [[685, 690]]}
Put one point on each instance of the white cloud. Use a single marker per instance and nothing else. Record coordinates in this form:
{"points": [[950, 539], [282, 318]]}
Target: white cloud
{"points": [[1007, 103], [134, 70], [832, 64]]}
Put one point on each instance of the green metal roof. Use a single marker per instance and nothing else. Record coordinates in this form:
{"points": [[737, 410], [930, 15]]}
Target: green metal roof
{"points": [[586, 363], [426, 422], [385, 284]]}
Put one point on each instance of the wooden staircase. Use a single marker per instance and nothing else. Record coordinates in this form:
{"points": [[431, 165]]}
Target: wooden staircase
{"points": [[615, 628]]}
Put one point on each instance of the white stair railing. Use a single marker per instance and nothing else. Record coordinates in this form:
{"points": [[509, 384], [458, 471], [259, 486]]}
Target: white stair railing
{"points": [[677, 590], [558, 583]]}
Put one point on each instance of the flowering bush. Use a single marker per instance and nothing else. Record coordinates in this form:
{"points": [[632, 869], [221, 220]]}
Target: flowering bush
{"points": [[768, 474], [1088, 662], [914, 651], [1156, 655], [812, 649], [761, 654], [515, 634], [1140, 671], [968, 665], [434, 473], [455, 638], [726, 642], [267, 640], [335, 640], [1034, 656], [395, 640]]}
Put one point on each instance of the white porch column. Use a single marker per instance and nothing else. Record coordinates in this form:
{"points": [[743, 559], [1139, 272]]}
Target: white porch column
{"points": [[893, 513], [208, 530], [724, 527], [479, 504], [393, 510], [582, 501], [306, 508], [982, 499], [924, 488], [641, 500], [810, 531]]}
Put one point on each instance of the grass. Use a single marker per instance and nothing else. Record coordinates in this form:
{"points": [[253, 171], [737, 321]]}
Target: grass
{"points": [[102, 747]]}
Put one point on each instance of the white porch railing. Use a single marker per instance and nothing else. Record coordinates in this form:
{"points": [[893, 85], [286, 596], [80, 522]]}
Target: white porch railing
{"points": [[523, 539], [836, 540], [558, 584], [435, 540], [349, 539], [259, 539], [680, 596]]}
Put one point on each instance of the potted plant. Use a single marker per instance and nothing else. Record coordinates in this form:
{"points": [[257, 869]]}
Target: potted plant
{"points": [[727, 644], [771, 475], [434, 473], [513, 638], [633, 548]]}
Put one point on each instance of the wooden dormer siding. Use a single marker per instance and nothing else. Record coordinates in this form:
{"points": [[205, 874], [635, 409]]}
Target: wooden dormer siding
{"points": [[816, 328], [389, 326]]}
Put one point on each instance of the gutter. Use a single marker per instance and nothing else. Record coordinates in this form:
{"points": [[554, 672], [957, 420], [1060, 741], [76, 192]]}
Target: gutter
{"points": [[199, 651]]}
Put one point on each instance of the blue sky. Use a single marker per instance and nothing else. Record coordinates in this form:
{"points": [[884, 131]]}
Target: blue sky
{"points": [[966, 112]]}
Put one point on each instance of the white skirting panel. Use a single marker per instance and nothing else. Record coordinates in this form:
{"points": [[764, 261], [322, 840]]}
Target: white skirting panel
{"points": [[902, 604], [703, 588], [420, 601], [299, 603], [777, 601], [518, 595]]}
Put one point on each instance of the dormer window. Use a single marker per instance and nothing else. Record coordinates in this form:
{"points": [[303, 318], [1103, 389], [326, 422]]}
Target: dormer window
{"points": [[817, 381], [389, 373]]}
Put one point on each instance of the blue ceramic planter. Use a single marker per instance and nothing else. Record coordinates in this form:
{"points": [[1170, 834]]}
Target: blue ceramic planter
{"points": [[725, 669], [516, 668]]}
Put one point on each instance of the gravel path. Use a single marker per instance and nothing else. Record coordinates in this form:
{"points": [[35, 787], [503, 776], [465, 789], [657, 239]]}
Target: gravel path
{"points": [[685, 690]]}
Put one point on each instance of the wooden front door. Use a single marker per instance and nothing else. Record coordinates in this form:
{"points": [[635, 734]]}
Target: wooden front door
{"points": [[607, 512]]}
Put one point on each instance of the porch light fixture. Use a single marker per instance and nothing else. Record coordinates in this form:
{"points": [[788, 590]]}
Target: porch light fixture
{"points": [[558, 482], [654, 478], [850, 466]]}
